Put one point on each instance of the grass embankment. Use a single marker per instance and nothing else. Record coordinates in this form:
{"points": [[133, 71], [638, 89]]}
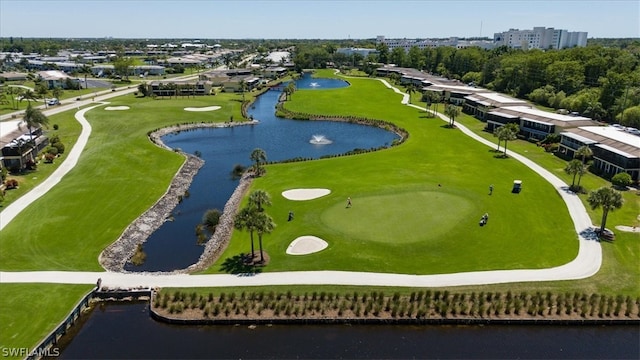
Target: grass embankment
{"points": [[31, 311], [120, 174]]}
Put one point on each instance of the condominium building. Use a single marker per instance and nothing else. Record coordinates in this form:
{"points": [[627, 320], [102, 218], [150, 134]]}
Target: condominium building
{"points": [[407, 44], [540, 38]]}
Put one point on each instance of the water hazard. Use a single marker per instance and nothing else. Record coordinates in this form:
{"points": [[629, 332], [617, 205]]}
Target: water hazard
{"points": [[126, 331], [174, 244]]}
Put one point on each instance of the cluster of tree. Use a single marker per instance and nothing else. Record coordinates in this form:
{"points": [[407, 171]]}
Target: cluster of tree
{"points": [[253, 217]]}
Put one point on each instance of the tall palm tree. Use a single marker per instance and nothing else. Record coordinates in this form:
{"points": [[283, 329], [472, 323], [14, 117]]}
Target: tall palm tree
{"points": [[411, 88], [34, 118], [607, 198], [574, 167], [259, 198], [85, 70], [245, 220], [264, 225], [258, 156], [509, 133], [584, 151], [432, 99], [290, 89], [497, 133], [243, 88], [29, 95], [452, 112]]}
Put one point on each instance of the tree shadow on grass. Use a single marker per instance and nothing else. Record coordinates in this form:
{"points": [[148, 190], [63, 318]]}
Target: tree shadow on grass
{"points": [[240, 265]]}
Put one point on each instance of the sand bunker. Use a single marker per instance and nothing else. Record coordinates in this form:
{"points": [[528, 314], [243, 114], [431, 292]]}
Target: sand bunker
{"points": [[634, 229], [207, 108], [111, 108], [305, 194], [304, 245]]}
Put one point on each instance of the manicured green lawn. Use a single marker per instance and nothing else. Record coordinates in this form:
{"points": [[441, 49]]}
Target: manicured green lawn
{"points": [[417, 206], [31, 311], [120, 174]]}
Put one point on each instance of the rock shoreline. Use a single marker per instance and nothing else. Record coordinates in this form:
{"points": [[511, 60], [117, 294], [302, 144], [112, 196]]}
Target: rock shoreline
{"points": [[116, 255]]}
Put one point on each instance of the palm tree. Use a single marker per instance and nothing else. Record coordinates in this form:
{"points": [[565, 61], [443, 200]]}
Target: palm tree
{"points": [[290, 89], [28, 95], [34, 118], [510, 132], [85, 70], [258, 156], [411, 88], [243, 88], [245, 220], [497, 133], [607, 198], [452, 112], [432, 99], [42, 91], [574, 167], [264, 225], [584, 151], [259, 198]]}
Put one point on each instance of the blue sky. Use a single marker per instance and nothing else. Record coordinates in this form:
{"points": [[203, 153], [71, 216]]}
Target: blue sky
{"points": [[328, 19]]}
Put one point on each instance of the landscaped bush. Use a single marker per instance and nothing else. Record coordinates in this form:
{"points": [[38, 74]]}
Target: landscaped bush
{"points": [[11, 184], [621, 180], [59, 146], [49, 157]]}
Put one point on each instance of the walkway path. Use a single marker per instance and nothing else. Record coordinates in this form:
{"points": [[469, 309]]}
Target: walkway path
{"points": [[586, 264]]}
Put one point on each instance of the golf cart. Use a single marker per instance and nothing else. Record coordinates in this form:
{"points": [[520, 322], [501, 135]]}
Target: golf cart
{"points": [[517, 186]]}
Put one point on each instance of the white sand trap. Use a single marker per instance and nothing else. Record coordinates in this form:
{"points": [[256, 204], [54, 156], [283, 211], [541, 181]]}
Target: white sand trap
{"points": [[112, 108], [207, 108], [304, 245], [634, 229], [305, 194]]}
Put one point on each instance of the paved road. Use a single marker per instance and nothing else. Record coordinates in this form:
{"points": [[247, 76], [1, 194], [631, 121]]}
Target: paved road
{"points": [[586, 264]]}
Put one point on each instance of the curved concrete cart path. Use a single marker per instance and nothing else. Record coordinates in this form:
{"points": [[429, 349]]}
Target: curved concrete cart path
{"points": [[586, 264], [69, 162]]}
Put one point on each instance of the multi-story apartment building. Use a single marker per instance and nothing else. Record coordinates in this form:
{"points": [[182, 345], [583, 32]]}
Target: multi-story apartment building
{"points": [[407, 44], [540, 38]]}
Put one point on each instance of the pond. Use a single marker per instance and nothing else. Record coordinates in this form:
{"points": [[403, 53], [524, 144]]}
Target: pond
{"points": [[174, 244]]}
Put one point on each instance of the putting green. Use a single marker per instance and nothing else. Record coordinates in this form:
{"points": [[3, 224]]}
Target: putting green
{"points": [[398, 218]]}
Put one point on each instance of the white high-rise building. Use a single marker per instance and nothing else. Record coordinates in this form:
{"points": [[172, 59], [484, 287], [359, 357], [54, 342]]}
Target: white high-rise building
{"points": [[541, 38]]}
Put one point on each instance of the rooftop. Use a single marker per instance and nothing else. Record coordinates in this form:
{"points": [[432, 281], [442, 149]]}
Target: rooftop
{"points": [[615, 134], [546, 114]]}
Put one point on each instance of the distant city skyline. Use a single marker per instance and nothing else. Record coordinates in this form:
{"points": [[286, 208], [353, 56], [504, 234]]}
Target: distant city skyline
{"points": [[301, 19]]}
